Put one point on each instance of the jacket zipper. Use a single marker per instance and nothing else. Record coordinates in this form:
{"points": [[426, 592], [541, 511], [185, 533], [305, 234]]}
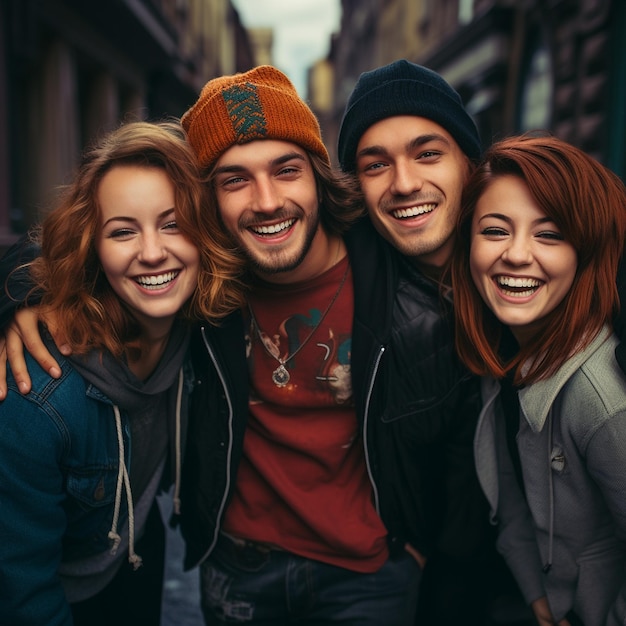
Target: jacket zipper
{"points": [[229, 451], [366, 412]]}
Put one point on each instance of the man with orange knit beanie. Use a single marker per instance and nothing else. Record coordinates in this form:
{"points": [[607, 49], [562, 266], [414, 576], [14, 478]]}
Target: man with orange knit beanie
{"points": [[278, 506], [283, 506]]}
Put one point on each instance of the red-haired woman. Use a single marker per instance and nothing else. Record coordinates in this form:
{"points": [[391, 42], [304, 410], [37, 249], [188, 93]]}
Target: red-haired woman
{"points": [[541, 232]]}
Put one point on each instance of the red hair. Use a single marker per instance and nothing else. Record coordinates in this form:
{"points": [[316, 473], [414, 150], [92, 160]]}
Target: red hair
{"points": [[588, 203]]}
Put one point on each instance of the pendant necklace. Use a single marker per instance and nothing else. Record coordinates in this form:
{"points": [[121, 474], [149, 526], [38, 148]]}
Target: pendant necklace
{"points": [[281, 376]]}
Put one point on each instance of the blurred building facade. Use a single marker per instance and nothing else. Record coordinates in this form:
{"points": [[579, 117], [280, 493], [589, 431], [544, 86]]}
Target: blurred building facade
{"points": [[262, 41], [70, 70], [519, 65]]}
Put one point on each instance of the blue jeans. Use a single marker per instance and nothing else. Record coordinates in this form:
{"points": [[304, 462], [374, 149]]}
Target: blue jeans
{"points": [[252, 585]]}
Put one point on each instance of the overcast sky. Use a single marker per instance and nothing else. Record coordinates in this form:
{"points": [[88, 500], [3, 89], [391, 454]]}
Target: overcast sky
{"points": [[302, 30]]}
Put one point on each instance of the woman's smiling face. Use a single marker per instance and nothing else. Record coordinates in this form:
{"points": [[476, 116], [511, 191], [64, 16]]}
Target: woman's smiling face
{"points": [[148, 262], [521, 265]]}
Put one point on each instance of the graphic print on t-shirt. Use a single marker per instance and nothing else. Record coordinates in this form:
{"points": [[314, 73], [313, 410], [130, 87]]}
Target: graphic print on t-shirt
{"points": [[312, 343], [324, 357]]}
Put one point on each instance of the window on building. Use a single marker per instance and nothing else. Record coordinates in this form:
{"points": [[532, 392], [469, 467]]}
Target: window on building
{"points": [[535, 104]]}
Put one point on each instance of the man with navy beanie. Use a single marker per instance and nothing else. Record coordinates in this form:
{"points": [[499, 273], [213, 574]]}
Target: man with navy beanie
{"points": [[412, 145], [404, 88], [407, 137]]}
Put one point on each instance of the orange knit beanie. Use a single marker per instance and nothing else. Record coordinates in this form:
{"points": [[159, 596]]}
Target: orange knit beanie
{"points": [[258, 104]]}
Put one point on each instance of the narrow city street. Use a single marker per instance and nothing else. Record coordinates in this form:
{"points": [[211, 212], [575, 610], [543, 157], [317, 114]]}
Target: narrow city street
{"points": [[181, 597]]}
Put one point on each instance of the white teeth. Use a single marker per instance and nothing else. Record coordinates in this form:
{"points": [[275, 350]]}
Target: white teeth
{"points": [[520, 294], [156, 282], [413, 211], [512, 286], [274, 228], [510, 281]]}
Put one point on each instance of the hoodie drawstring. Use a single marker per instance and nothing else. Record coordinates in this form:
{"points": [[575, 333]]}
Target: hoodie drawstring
{"points": [[122, 479], [113, 534]]}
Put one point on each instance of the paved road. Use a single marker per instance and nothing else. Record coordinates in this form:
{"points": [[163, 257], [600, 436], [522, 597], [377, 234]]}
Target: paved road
{"points": [[181, 599]]}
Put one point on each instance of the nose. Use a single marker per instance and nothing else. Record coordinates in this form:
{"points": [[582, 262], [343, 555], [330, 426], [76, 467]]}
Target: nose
{"points": [[406, 179], [152, 248], [518, 252], [268, 197]]}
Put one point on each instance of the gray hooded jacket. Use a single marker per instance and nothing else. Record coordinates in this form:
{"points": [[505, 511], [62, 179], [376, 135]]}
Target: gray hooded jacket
{"points": [[565, 538]]}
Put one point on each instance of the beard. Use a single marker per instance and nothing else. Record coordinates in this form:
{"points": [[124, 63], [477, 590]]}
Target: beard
{"points": [[279, 261]]}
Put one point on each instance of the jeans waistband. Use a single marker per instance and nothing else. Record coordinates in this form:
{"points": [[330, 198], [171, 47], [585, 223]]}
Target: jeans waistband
{"points": [[245, 544]]}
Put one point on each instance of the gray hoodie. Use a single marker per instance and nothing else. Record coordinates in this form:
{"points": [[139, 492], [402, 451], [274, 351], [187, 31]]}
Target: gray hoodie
{"points": [[156, 410]]}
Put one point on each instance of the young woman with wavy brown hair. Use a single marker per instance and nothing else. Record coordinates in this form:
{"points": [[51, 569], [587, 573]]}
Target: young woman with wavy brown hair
{"points": [[130, 257]]}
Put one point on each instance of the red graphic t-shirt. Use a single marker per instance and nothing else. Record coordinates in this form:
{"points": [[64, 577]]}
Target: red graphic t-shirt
{"points": [[302, 484]]}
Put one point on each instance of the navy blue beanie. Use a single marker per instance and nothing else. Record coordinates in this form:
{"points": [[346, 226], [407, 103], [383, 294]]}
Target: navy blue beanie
{"points": [[404, 88]]}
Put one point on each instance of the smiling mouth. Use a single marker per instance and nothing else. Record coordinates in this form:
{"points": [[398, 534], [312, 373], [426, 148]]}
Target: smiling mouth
{"points": [[156, 282], [414, 211], [518, 287], [273, 229]]}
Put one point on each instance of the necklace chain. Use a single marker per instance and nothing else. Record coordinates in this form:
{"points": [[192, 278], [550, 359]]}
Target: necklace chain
{"points": [[281, 376]]}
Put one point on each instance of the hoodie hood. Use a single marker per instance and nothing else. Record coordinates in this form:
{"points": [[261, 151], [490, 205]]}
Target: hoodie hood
{"points": [[114, 378]]}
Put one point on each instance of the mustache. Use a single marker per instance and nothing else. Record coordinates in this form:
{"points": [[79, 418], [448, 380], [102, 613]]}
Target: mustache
{"points": [[401, 202], [249, 220]]}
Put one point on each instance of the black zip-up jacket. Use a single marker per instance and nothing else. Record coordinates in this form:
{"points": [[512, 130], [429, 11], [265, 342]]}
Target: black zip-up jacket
{"points": [[416, 406]]}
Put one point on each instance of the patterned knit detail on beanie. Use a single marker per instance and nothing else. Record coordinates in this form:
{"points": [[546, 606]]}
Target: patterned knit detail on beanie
{"points": [[245, 112]]}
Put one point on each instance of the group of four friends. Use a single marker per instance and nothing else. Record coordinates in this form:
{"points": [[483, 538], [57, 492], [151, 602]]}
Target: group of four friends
{"points": [[358, 382]]}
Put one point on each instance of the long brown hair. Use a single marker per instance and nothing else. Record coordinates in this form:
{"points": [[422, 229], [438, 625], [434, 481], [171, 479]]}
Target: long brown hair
{"points": [[588, 204], [87, 311]]}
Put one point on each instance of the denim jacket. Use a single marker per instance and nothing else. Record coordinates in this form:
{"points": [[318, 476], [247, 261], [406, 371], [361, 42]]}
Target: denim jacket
{"points": [[59, 469]]}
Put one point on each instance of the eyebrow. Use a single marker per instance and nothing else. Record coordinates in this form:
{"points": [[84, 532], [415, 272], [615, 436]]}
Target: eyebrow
{"points": [[411, 145], [125, 218], [280, 160], [506, 218]]}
